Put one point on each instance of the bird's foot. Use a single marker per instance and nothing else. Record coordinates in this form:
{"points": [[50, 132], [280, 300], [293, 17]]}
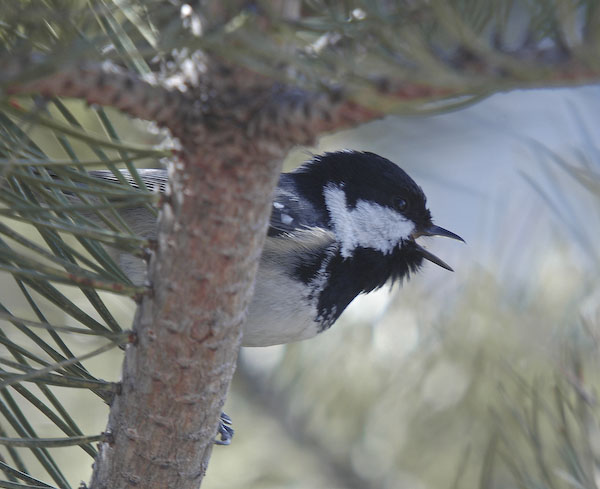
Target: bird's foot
{"points": [[225, 431]]}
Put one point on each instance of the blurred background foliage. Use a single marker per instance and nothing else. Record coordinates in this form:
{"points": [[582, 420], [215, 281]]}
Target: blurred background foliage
{"points": [[484, 378]]}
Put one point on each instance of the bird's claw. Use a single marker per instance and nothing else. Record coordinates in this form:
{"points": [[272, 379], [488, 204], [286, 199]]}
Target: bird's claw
{"points": [[225, 430]]}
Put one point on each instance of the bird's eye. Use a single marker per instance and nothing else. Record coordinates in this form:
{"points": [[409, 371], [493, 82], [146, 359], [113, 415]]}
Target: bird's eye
{"points": [[400, 204]]}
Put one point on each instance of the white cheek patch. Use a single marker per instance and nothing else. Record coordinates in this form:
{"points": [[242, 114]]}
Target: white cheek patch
{"points": [[368, 225]]}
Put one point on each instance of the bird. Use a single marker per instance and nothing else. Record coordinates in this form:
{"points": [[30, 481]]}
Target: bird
{"points": [[342, 224]]}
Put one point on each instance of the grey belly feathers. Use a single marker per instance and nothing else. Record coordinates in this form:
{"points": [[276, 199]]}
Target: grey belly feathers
{"points": [[284, 309]]}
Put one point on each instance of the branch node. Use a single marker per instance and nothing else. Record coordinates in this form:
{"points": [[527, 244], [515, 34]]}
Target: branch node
{"points": [[133, 338], [108, 437]]}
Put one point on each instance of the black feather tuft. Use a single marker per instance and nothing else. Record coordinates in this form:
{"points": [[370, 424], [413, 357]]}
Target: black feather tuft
{"points": [[365, 271]]}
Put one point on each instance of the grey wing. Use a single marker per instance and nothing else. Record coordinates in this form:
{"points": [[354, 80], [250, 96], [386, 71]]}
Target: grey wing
{"points": [[139, 218], [155, 179], [289, 213]]}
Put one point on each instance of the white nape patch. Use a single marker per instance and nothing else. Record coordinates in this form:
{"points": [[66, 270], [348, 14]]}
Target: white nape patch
{"points": [[368, 225], [285, 219], [277, 205]]}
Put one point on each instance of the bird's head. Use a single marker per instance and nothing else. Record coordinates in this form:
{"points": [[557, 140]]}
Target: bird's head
{"points": [[372, 204]]}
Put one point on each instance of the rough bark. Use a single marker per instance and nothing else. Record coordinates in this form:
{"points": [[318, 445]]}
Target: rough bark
{"points": [[175, 378]]}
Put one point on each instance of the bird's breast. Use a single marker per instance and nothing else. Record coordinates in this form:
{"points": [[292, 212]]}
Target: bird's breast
{"points": [[280, 311], [288, 282]]}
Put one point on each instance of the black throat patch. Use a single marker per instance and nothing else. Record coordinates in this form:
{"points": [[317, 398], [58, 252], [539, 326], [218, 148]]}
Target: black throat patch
{"points": [[335, 281]]}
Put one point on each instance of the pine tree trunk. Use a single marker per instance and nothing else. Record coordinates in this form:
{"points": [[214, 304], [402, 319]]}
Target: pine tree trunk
{"points": [[175, 378]]}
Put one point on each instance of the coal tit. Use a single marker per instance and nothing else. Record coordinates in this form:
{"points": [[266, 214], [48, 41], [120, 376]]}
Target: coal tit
{"points": [[342, 224]]}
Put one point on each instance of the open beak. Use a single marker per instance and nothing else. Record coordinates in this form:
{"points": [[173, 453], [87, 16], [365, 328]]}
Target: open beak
{"points": [[434, 231]]}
